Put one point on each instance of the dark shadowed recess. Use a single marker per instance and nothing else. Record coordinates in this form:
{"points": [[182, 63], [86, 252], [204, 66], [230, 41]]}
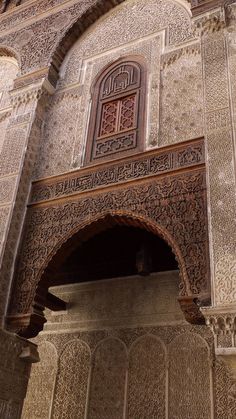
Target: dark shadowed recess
{"points": [[117, 252]]}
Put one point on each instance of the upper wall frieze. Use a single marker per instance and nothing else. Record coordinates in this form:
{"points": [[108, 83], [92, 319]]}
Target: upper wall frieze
{"points": [[31, 10], [36, 42], [35, 10], [50, 36], [45, 30]]}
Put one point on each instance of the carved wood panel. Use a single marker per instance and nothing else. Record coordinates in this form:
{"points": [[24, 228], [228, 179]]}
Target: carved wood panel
{"points": [[149, 164], [118, 114], [121, 79]]}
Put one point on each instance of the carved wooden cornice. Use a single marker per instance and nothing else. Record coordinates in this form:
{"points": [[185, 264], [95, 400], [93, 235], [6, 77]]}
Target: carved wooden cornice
{"points": [[152, 163]]}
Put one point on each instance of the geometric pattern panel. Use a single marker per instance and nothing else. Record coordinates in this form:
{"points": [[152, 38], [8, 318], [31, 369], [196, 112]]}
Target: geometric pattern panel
{"points": [[118, 116], [147, 379], [221, 390], [189, 378], [111, 145], [109, 118], [127, 113], [72, 380], [224, 391], [107, 390]]}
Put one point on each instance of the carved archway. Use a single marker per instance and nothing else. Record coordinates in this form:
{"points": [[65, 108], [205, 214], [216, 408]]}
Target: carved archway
{"points": [[171, 206], [126, 234], [32, 322], [77, 29], [100, 8]]}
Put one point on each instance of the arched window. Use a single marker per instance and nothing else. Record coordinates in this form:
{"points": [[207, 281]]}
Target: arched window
{"points": [[117, 118]]}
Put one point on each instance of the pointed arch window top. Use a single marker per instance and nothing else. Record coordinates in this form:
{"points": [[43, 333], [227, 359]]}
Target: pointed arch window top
{"points": [[116, 121]]}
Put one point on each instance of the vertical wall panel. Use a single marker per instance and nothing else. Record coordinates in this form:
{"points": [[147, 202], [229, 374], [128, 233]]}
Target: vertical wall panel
{"points": [[72, 380], [189, 378], [147, 379], [108, 381]]}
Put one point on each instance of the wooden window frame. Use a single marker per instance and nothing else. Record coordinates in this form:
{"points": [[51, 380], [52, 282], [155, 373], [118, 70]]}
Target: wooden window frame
{"points": [[135, 134]]}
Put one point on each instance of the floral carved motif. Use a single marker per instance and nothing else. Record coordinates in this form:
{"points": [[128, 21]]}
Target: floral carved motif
{"points": [[173, 206]]}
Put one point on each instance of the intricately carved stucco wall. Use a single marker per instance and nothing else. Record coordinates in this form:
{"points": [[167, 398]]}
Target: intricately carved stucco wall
{"points": [[157, 364], [8, 72], [149, 30], [191, 84]]}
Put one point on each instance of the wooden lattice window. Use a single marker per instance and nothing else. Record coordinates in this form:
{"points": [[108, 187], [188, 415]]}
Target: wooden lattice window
{"points": [[118, 114]]}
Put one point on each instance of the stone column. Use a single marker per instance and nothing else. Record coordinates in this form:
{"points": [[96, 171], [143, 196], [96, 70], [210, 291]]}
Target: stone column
{"points": [[29, 99], [220, 150], [18, 155]]}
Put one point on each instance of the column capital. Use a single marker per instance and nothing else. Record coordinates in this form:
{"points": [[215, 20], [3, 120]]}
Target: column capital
{"points": [[210, 22], [222, 322], [30, 87], [199, 7]]}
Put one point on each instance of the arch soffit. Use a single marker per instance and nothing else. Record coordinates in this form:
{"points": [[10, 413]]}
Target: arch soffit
{"points": [[80, 25], [113, 218]]}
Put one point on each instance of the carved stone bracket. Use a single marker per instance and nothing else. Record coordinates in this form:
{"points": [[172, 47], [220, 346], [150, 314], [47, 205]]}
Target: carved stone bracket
{"points": [[222, 321], [24, 94]]}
